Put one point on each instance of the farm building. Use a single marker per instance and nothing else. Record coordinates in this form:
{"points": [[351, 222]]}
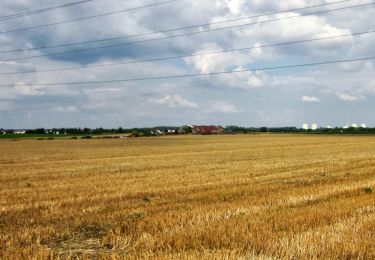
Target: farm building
{"points": [[19, 132], [206, 129]]}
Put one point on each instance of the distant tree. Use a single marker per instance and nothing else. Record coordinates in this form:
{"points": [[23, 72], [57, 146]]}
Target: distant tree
{"points": [[135, 132], [86, 131], [39, 131], [96, 131], [186, 129]]}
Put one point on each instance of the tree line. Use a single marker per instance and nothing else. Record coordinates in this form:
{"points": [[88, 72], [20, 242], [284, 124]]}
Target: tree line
{"points": [[181, 130]]}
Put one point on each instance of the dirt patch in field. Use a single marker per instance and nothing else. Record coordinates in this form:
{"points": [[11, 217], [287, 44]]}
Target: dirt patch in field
{"points": [[84, 242]]}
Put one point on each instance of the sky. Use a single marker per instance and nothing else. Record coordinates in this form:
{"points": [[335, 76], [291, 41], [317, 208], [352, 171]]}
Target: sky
{"points": [[334, 94]]}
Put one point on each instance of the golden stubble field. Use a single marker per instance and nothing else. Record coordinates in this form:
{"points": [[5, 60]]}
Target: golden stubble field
{"points": [[187, 197]]}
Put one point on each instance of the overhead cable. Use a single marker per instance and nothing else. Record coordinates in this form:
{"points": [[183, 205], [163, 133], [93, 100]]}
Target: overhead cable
{"points": [[197, 74], [38, 11], [189, 55], [171, 29], [87, 17], [179, 35]]}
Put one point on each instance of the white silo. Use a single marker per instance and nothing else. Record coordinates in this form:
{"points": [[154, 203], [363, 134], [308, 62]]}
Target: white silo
{"points": [[305, 127], [314, 126]]}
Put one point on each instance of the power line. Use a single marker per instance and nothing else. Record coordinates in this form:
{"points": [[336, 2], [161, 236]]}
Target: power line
{"points": [[32, 12], [173, 29], [87, 17], [190, 55], [198, 74], [180, 35]]}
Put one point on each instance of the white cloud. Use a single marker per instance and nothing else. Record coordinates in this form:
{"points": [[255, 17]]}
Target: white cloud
{"points": [[175, 101], [66, 109], [243, 80], [96, 90], [310, 99], [349, 97], [236, 6], [223, 107], [26, 90], [219, 61], [353, 66]]}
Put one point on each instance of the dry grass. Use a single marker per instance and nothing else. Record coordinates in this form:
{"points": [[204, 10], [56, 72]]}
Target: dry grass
{"points": [[214, 197]]}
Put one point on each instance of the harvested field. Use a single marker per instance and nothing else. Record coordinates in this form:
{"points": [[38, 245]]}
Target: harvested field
{"points": [[210, 197]]}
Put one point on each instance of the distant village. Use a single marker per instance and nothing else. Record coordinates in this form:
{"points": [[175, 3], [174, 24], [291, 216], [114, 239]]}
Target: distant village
{"points": [[188, 129], [314, 126]]}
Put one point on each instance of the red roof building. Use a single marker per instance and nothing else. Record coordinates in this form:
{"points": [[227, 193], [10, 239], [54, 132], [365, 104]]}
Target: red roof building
{"points": [[206, 129]]}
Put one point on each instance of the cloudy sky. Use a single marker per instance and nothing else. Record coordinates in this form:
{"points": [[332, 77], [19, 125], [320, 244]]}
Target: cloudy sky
{"points": [[328, 94]]}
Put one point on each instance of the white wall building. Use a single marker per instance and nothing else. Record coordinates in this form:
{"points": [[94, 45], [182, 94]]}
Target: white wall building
{"points": [[19, 132], [314, 126]]}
